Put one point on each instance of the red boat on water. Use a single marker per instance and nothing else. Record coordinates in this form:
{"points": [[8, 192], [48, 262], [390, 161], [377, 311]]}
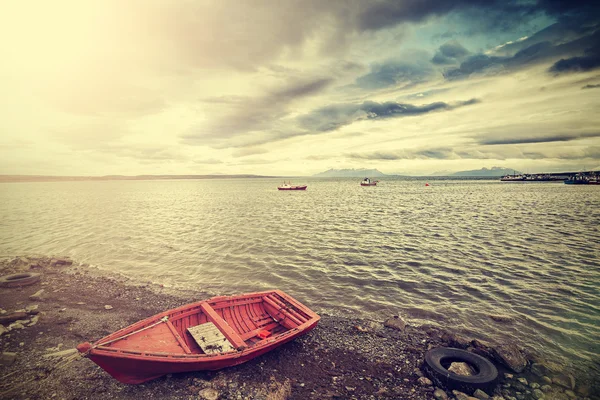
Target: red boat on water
{"points": [[287, 186], [368, 182], [206, 335]]}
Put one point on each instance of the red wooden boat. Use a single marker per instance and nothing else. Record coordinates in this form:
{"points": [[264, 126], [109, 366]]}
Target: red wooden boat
{"points": [[288, 186], [368, 182], [206, 335]]}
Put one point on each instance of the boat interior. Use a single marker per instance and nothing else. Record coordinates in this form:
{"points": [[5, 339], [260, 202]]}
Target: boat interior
{"points": [[215, 326]]}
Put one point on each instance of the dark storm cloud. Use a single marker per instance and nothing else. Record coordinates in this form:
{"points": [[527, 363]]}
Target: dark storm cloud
{"points": [[589, 61], [412, 69], [534, 54], [449, 53], [335, 116], [539, 139], [388, 13]]}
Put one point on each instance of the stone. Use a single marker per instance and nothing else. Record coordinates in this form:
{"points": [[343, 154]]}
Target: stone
{"points": [[57, 262], [538, 394], [418, 372], [14, 316], [34, 320], [108, 307], [546, 388], [564, 380], [571, 394], [461, 368], [481, 395], [523, 381], [496, 397], [7, 358], [3, 330], [37, 296], [462, 396], [508, 376], [16, 325], [459, 395], [510, 355], [534, 385], [546, 380], [32, 309], [439, 394], [424, 381], [455, 340], [396, 323], [209, 394]]}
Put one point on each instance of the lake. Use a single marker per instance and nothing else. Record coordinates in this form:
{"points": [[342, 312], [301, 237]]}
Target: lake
{"points": [[450, 254]]}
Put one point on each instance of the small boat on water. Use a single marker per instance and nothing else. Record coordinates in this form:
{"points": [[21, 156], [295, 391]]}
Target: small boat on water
{"points": [[579, 179], [368, 182], [206, 335], [288, 186]]}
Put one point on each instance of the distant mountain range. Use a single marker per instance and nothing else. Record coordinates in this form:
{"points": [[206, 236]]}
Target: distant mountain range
{"points": [[494, 171], [350, 173]]}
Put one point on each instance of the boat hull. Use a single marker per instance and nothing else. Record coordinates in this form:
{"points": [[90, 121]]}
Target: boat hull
{"points": [[135, 370], [254, 323], [292, 188], [369, 184]]}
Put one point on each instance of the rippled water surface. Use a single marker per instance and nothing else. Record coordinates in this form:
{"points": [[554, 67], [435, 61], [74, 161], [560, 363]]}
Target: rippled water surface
{"points": [[450, 254]]}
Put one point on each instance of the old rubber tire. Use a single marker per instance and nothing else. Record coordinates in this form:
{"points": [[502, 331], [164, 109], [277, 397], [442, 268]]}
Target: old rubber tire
{"points": [[438, 360], [23, 279]]}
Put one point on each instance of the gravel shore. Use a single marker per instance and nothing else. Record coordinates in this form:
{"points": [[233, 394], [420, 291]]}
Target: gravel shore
{"points": [[342, 358]]}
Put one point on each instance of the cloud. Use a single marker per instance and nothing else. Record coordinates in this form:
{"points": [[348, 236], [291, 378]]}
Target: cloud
{"points": [[536, 53], [449, 53], [479, 153], [566, 137], [246, 115], [411, 68], [335, 116], [587, 62], [250, 151], [499, 15]]}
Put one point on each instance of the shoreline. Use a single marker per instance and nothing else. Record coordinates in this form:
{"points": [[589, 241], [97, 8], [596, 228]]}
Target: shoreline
{"points": [[342, 357]]}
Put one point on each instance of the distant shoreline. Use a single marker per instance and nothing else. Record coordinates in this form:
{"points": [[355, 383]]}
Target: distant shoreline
{"points": [[44, 178]]}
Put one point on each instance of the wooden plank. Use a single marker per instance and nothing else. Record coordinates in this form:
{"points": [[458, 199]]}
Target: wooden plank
{"points": [[223, 304], [210, 339], [181, 342], [231, 335], [282, 311], [293, 312], [185, 314]]}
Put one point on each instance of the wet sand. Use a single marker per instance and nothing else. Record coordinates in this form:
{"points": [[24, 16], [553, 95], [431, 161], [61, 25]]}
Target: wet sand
{"points": [[343, 358]]}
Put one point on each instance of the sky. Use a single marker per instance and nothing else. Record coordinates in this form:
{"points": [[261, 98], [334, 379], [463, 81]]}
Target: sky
{"points": [[297, 87]]}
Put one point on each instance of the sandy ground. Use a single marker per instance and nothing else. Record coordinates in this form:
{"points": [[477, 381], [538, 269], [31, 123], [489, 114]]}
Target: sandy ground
{"points": [[342, 358]]}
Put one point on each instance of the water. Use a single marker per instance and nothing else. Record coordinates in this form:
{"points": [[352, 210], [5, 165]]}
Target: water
{"points": [[450, 254]]}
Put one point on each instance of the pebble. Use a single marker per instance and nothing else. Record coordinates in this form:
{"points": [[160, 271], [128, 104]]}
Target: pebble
{"points": [[570, 393], [209, 394], [439, 394], [108, 307], [546, 388], [538, 394], [523, 381], [480, 394], [534, 385], [423, 381]]}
